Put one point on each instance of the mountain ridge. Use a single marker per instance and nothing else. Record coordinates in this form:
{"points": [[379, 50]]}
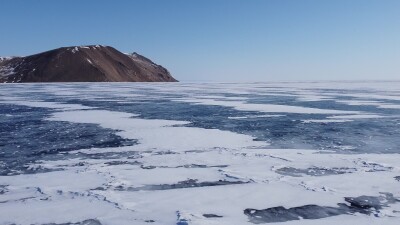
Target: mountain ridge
{"points": [[90, 63]]}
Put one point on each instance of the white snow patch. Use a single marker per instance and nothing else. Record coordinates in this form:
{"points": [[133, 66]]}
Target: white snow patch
{"points": [[159, 134], [379, 104], [75, 49], [267, 108], [253, 116], [326, 121], [361, 116], [89, 61], [6, 71]]}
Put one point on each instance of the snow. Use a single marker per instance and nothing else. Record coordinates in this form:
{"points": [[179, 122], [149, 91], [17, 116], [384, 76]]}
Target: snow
{"points": [[327, 121], [80, 185], [6, 71], [389, 106], [361, 116], [254, 116], [379, 104], [75, 49], [266, 108], [158, 134], [228, 201], [2, 58]]}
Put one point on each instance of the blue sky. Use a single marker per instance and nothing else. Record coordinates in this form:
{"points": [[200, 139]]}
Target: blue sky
{"points": [[221, 40]]}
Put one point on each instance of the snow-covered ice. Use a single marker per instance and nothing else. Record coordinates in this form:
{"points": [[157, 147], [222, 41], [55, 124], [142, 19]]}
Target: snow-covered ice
{"points": [[195, 153]]}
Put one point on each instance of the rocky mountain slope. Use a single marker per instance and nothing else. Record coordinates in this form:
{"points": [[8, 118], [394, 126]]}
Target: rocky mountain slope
{"points": [[93, 63]]}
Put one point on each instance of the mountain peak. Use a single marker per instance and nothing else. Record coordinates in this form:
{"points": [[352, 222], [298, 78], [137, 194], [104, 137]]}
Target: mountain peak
{"points": [[88, 63]]}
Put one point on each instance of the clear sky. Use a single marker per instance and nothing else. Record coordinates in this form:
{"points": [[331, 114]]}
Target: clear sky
{"points": [[220, 40]]}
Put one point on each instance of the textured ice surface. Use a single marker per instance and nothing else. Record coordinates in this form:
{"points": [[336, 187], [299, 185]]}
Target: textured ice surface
{"points": [[194, 153], [368, 205]]}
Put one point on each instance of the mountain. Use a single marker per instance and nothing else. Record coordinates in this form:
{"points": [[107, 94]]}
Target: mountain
{"points": [[93, 63]]}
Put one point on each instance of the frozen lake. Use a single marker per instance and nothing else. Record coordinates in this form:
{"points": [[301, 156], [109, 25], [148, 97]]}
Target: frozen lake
{"points": [[200, 153]]}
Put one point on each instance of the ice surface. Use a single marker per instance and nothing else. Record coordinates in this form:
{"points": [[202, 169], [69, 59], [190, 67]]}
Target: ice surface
{"points": [[311, 153]]}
